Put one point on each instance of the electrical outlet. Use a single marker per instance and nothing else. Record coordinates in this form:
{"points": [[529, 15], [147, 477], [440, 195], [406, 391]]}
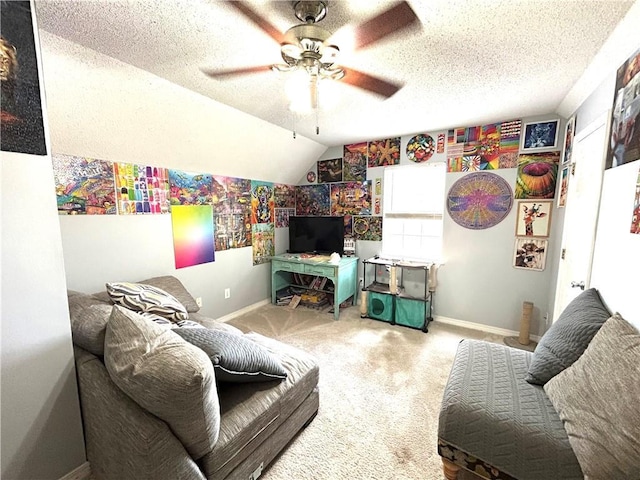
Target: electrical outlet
{"points": [[227, 292], [199, 301]]}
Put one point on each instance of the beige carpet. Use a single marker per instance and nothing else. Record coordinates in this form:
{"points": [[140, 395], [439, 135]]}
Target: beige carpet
{"points": [[380, 391]]}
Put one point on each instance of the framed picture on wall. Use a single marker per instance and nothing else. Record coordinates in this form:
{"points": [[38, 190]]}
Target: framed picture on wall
{"points": [[540, 135], [569, 133], [534, 218], [564, 186], [530, 253]]}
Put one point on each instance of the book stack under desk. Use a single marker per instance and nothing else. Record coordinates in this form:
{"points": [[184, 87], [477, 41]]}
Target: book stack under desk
{"points": [[313, 282]]}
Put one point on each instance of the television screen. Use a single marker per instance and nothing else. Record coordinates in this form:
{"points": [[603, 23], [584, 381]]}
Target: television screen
{"points": [[316, 235]]}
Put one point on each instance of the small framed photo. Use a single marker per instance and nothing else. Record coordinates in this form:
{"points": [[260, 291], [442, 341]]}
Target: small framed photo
{"points": [[530, 253], [534, 218], [541, 135], [569, 133], [564, 186]]}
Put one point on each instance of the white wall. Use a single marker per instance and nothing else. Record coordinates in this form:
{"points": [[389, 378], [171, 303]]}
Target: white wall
{"points": [[40, 413], [102, 108]]}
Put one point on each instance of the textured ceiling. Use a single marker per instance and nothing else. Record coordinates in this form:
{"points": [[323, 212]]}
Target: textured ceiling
{"points": [[469, 62]]}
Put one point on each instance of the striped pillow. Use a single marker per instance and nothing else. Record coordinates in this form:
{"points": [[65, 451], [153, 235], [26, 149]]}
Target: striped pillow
{"points": [[145, 298]]}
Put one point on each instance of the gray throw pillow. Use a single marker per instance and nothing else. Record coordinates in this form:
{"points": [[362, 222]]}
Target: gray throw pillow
{"points": [[597, 400], [235, 358], [568, 337]]}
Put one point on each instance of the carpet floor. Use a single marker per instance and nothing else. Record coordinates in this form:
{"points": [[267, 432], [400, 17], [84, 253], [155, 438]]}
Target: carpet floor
{"points": [[381, 386]]}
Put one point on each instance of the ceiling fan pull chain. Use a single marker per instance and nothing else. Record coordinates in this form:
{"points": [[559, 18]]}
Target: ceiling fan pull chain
{"points": [[317, 103], [293, 115]]}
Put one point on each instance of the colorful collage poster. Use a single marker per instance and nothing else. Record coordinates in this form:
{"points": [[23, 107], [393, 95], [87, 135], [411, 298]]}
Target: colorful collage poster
{"points": [[192, 234], [231, 212], [485, 147], [21, 128], [220, 200], [284, 195], [141, 189], [351, 198], [282, 216], [190, 188], [83, 185], [330, 170], [367, 228], [312, 199], [262, 202], [384, 152], [537, 174], [348, 225], [624, 142], [355, 162], [264, 245], [232, 230], [420, 148]]}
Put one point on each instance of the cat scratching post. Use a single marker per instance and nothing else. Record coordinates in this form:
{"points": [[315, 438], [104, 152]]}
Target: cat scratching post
{"points": [[525, 323], [523, 341], [364, 306]]}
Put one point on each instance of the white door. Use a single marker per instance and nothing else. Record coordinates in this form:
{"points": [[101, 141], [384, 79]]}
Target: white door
{"points": [[581, 213]]}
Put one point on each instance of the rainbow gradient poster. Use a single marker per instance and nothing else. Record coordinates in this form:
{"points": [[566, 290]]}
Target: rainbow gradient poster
{"points": [[193, 241]]}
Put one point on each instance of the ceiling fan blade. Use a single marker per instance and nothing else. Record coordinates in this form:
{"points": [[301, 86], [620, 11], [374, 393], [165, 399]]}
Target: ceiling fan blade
{"points": [[263, 24], [236, 71], [371, 83], [393, 20]]}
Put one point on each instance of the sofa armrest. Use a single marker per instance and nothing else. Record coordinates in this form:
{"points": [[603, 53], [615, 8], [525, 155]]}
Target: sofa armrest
{"points": [[123, 440]]}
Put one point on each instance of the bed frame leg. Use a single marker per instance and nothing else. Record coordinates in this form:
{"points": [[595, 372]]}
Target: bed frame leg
{"points": [[450, 469]]}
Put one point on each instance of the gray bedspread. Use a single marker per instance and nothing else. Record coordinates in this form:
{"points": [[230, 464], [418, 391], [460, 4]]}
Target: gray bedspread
{"points": [[489, 411]]}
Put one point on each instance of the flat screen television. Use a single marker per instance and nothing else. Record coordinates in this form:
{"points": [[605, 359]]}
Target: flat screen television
{"points": [[316, 234]]}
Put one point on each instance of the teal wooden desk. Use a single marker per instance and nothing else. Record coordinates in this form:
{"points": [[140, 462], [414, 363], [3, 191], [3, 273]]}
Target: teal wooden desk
{"points": [[343, 275]]}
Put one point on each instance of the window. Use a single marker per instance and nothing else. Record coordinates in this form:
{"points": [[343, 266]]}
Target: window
{"points": [[413, 212]]}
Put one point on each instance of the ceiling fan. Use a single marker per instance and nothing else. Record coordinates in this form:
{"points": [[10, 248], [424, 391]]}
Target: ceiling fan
{"points": [[308, 46]]}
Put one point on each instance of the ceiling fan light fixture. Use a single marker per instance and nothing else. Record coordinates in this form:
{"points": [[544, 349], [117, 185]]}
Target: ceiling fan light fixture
{"points": [[329, 54], [291, 51]]}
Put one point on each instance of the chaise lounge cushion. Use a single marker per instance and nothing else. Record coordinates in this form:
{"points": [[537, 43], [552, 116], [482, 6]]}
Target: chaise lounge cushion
{"points": [[492, 419], [235, 357], [568, 337], [242, 429], [603, 426], [167, 376]]}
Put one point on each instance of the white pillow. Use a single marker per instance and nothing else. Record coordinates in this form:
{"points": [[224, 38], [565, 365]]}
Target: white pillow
{"points": [[146, 298]]}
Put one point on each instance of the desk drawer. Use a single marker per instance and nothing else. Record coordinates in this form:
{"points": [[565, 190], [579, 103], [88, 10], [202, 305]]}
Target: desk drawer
{"points": [[287, 266], [322, 270]]}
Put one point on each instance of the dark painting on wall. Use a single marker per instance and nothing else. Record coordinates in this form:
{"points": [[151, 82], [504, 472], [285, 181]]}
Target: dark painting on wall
{"points": [[21, 124], [624, 140]]}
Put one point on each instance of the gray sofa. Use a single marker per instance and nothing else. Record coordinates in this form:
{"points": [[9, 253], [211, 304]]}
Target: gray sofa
{"points": [[200, 427], [567, 411]]}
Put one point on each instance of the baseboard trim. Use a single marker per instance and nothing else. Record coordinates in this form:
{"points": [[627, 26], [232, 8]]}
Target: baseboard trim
{"points": [[244, 310], [83, 472], [504, 332]]}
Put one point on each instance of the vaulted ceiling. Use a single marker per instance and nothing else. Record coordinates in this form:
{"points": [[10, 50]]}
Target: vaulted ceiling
{"points": [[464, 62]]}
